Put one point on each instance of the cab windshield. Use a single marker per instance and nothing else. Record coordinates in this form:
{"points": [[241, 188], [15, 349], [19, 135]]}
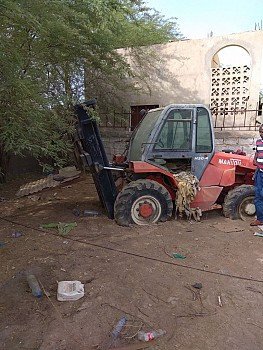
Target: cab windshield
{"points": [[142, 134]]}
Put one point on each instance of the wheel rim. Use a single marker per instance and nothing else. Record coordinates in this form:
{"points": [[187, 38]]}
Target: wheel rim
{"points": [[145, 210], [247, 209]]}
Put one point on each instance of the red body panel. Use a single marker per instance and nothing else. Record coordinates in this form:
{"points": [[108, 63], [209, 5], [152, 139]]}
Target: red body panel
{"points": [[143, 167], [228, 160], [206, 197], [212, 176], [224, 170]]}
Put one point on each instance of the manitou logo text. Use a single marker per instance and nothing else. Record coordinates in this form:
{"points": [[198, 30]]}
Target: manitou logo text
{"points": [[230, 161]]}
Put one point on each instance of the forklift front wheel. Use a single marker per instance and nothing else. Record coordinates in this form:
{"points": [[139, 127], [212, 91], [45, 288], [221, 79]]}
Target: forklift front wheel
{"points": [[143, 202], [239, 203]]}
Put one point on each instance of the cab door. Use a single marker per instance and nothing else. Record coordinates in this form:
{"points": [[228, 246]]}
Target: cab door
{"points": [[203, 141], [183, 136], [171, 143]]}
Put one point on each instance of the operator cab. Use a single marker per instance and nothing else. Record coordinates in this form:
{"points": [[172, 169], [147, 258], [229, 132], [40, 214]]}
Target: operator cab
{"points": [[177, 138]]}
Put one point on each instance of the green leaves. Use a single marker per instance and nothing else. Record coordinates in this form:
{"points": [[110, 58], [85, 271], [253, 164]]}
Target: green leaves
{"points": [[45, 47]]}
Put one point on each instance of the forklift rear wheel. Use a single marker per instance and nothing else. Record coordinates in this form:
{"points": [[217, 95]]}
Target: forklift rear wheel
{"points": [[239, 203], [143, 202]]}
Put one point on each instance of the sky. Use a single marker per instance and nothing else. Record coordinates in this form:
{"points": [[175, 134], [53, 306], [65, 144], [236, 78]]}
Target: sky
{"points": [[196, 19]]}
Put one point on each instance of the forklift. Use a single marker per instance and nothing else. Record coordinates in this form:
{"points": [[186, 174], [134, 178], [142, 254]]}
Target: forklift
{"points": [[141, 186]]}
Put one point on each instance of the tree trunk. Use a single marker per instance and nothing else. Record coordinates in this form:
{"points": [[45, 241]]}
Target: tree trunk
{"points": [[4, 163]]}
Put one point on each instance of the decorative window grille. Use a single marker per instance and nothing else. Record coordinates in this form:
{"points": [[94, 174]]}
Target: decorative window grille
{"points": [[230, 87]]}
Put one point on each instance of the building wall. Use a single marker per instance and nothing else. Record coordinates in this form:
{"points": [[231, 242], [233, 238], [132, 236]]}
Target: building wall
{"points": [[184, 73]]}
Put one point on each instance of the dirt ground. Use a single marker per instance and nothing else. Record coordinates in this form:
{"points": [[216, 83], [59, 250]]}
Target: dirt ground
{"points": [[127, 271]]}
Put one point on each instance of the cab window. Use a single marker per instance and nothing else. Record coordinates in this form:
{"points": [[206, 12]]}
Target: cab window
{"points": [[203, 132], [176, 131]]}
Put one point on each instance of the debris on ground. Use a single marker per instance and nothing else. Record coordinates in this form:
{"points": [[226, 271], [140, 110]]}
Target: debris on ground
{"points": [[118, 327], [70, 290], [258, 234], [147, 336], [87, 212], [63, 228], [76, 212], [34, 286], [64, 175], [192, 317], [178, 256], [34, 198], [197, 285], [16, 234]]}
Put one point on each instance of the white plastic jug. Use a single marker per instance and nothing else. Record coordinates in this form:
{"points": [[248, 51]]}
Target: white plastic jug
{"points": [[70, 290]]}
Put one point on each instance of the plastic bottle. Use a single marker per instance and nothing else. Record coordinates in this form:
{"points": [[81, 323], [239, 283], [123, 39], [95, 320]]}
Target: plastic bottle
{"points": [[90, 212], [34, 285], [17, 234], [118, 327], [150, 335]]}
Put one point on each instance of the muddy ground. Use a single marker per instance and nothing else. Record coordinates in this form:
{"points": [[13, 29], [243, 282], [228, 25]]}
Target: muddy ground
{"points": [[127, 271]]}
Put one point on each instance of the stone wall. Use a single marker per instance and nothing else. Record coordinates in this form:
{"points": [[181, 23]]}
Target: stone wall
{"points": [[244, 140], [114, 141]]}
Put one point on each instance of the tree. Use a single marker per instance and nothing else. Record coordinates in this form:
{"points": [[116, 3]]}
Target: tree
{"points": [[45, 46]]}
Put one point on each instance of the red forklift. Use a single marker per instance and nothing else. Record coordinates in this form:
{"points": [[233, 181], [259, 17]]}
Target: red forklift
{"points": [[140, 186]]}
